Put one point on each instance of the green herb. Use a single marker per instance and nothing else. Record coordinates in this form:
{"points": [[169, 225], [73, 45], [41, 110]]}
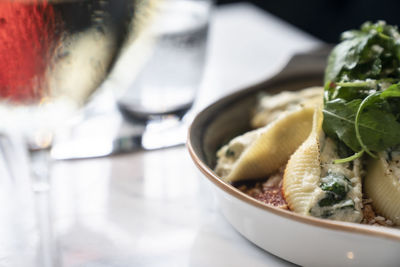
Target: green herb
{"points": [[342, 150], [362, 90], [336, 187], [349, 203], [371, 52], [229, 153], [326, 214], [339, 121]]}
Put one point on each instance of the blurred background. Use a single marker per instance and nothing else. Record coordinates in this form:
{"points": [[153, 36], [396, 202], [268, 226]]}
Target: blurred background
{"points": [[327, 19]]}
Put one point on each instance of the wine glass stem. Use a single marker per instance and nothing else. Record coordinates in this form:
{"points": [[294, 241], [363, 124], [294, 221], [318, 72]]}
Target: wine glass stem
{"points": [[48, 249]]}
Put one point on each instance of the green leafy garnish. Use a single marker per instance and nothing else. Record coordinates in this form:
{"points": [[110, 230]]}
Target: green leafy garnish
{"points": [[229, 153], [336, 187], [362, 90]]}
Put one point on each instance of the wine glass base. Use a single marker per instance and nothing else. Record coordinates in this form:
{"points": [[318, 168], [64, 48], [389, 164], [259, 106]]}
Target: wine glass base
{"points": [[164, 133], [142, 114], [132, 136], [161, 129]]}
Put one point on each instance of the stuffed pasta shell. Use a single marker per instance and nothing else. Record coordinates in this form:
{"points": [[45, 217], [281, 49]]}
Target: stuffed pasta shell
{"points": [[341, 162], [263, 151], [314, 185], [271, 107], [382, 184]]}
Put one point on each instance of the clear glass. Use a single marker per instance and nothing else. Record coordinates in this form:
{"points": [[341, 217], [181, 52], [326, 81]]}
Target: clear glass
{"points": [[54, 55], [164, 88]]}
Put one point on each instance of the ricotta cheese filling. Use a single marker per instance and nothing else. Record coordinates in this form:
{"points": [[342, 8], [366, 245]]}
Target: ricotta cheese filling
{"points": [[271, 107], [230, 153], [340, 197]]}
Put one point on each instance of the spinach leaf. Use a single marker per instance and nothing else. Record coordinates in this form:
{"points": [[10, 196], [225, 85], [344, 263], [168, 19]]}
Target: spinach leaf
{"points": [[337, 185]]}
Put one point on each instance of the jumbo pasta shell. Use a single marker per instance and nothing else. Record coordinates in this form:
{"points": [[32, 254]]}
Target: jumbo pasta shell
{"points": [[269, 148], [383, 187], [270, 107], [302, 173]]}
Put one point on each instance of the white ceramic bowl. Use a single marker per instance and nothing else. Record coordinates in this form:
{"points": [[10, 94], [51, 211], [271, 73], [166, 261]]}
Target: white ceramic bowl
{"points": [[306, 241]]}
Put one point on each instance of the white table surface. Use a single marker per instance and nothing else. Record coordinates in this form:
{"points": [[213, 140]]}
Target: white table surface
{"points": [[155, 208]]}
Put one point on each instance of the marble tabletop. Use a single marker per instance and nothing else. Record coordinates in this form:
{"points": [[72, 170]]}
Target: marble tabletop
{"points": [[154, 208]]}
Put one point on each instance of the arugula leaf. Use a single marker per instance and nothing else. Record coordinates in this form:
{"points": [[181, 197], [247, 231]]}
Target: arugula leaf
{"points": [[339, 121], [362, 89], [379, 129], [392, 91], [349, 90], [371, 52], [345, 56]]}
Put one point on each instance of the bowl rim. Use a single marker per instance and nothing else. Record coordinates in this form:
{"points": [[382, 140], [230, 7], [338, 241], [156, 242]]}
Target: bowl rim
{"points": [[202, 116]]}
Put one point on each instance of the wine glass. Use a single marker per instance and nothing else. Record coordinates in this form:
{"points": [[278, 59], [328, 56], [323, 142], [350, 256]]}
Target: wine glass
{"points": [[54, 55]]}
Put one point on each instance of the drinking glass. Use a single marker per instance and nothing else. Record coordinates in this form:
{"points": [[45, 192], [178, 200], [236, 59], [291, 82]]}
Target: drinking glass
{"points": [[54, 55], [163, 90]]}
